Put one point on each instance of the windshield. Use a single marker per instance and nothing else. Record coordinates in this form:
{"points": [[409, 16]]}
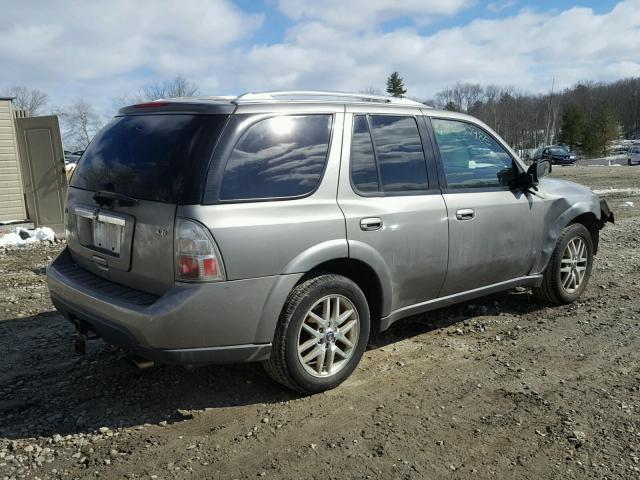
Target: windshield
{"points": [[160, 157], [559, 151]]}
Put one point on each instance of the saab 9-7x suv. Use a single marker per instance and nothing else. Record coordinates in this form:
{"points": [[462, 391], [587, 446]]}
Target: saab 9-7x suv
{"points": [[286, 227]]}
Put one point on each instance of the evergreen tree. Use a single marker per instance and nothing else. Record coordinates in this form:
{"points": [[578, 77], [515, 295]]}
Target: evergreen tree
{"points": [[601, 129], [395, 85], [572, 127]]}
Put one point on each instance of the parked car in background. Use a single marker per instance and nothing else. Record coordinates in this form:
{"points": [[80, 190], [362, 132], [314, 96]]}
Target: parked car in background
{"points": [[634, 155], [70, 157], [285, 227], [557, 155]]}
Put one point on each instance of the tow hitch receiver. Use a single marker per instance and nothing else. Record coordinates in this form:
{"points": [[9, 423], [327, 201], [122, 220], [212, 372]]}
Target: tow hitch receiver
{"points": [[82, 335]]}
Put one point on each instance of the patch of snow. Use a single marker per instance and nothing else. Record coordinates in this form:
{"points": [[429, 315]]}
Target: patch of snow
{"points": [[23, 236], [605, 191]]}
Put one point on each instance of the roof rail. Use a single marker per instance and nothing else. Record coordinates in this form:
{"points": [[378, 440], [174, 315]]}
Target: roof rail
{"points": [[306, 95]]}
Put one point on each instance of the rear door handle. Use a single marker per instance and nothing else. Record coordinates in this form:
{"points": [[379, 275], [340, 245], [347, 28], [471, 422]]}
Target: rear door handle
{"points": [[370, 223], [465, 214]]}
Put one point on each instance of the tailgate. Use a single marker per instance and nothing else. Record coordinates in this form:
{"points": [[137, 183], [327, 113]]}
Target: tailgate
{"points": [[123, 195], [130, 245]]}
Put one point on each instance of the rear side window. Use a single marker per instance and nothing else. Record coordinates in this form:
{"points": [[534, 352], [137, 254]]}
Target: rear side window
{"points": [[364, 171], [279, 157], [158, 157], [387, 155]]}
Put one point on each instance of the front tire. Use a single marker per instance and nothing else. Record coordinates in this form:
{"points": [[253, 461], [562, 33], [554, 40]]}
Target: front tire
{"points": [[322, 333], [568, 271]]}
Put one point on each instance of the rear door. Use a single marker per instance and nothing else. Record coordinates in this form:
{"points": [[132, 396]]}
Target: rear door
{"points": [[395, 214], [125, 191], [493, 230]]}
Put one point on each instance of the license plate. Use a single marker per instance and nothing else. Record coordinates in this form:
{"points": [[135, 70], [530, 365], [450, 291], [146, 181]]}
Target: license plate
{"points": [[107, 233]]}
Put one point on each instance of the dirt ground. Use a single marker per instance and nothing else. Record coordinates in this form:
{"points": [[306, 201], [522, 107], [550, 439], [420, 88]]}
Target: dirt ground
{"points": [[501, 387]]}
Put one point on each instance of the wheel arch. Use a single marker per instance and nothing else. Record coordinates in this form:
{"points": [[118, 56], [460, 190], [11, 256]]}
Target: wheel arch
{"points": [[364, 276], [355, 260], [584, 212], [589, 220]]}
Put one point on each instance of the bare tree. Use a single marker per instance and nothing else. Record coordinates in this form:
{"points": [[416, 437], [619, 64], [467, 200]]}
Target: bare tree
{"points": [[460, 97], [28, 99], [371, 90], [177, 87], [79, 124]]}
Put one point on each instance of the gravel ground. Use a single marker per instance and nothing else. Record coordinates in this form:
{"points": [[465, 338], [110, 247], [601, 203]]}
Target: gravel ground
{"points": [[501, 387]]}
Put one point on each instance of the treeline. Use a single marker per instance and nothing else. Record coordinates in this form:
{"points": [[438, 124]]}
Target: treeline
{"points": [[588, 116]]}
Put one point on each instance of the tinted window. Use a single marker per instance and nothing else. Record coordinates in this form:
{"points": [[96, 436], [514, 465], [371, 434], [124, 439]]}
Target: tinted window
{"points": [[151, 157], [278, 157], [364, 173], [471, 158], [399, 153]]}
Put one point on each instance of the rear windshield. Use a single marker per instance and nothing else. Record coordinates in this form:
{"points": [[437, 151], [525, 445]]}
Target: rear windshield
{"points": [[159, 157]]}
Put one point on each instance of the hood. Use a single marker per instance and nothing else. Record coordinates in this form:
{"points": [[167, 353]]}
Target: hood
{"points": [[565, 188]]}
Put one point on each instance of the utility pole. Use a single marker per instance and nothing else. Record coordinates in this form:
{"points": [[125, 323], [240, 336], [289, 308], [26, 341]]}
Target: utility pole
{"points": [[549, 112]]}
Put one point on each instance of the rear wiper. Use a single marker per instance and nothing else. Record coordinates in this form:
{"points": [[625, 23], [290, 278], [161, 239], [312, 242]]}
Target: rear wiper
{"points": [[105, 197]]}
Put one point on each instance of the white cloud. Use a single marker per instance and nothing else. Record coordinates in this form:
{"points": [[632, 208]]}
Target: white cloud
{"points": [[97, 47], [500, 5], [99, 50], [364, 14], [525, 50]]}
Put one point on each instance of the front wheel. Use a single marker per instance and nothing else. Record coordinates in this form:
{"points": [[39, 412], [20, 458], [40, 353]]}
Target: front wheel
{"points": [[321, 335], [568, 271]]}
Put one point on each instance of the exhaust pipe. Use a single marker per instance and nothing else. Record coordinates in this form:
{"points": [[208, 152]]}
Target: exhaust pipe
{"points": [[138, 362]]}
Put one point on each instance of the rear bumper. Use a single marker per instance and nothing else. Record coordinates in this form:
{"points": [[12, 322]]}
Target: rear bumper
{"points": [[120, 336], [224, 322]]}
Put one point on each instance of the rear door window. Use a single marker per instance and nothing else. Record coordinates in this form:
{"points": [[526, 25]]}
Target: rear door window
{"points": [[399, 152], [279, 157], [387, 155], [160, 157]]}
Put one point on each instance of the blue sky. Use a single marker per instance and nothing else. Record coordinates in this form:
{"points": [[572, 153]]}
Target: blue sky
{"points": [[100, 50]]}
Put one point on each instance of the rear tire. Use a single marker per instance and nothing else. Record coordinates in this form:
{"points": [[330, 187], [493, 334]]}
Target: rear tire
{"points": [[568, 271], [318, 343]]}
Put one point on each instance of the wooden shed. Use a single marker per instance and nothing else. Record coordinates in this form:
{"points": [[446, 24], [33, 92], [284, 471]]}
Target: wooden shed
{"points": [[12, 203]]}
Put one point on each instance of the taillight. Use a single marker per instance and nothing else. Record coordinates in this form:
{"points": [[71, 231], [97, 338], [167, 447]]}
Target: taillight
{"points": [[197, 257]]}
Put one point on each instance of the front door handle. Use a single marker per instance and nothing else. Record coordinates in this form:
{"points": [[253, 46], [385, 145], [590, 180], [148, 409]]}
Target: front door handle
{"points": [[465, 214], [370, 223]]}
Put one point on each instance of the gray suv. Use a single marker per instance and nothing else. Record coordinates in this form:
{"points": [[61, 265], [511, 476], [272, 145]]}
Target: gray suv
{"points": [[286, 227]]}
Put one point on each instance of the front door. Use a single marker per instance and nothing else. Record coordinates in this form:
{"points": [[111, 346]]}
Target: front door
{"points": [[43, 171], [395, 214], [493, 230]]}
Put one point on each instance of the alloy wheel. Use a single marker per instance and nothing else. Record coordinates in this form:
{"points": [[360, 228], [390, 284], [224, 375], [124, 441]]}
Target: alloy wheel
{"points": [[328, 336], [573, 265]]}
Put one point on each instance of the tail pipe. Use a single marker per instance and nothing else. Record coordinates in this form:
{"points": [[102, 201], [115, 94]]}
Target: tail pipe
{"points": [[138, 362]]}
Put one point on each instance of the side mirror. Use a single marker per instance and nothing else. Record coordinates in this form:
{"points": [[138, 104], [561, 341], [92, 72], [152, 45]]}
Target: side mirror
{"points": [[543, 167], [529, 179]]}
